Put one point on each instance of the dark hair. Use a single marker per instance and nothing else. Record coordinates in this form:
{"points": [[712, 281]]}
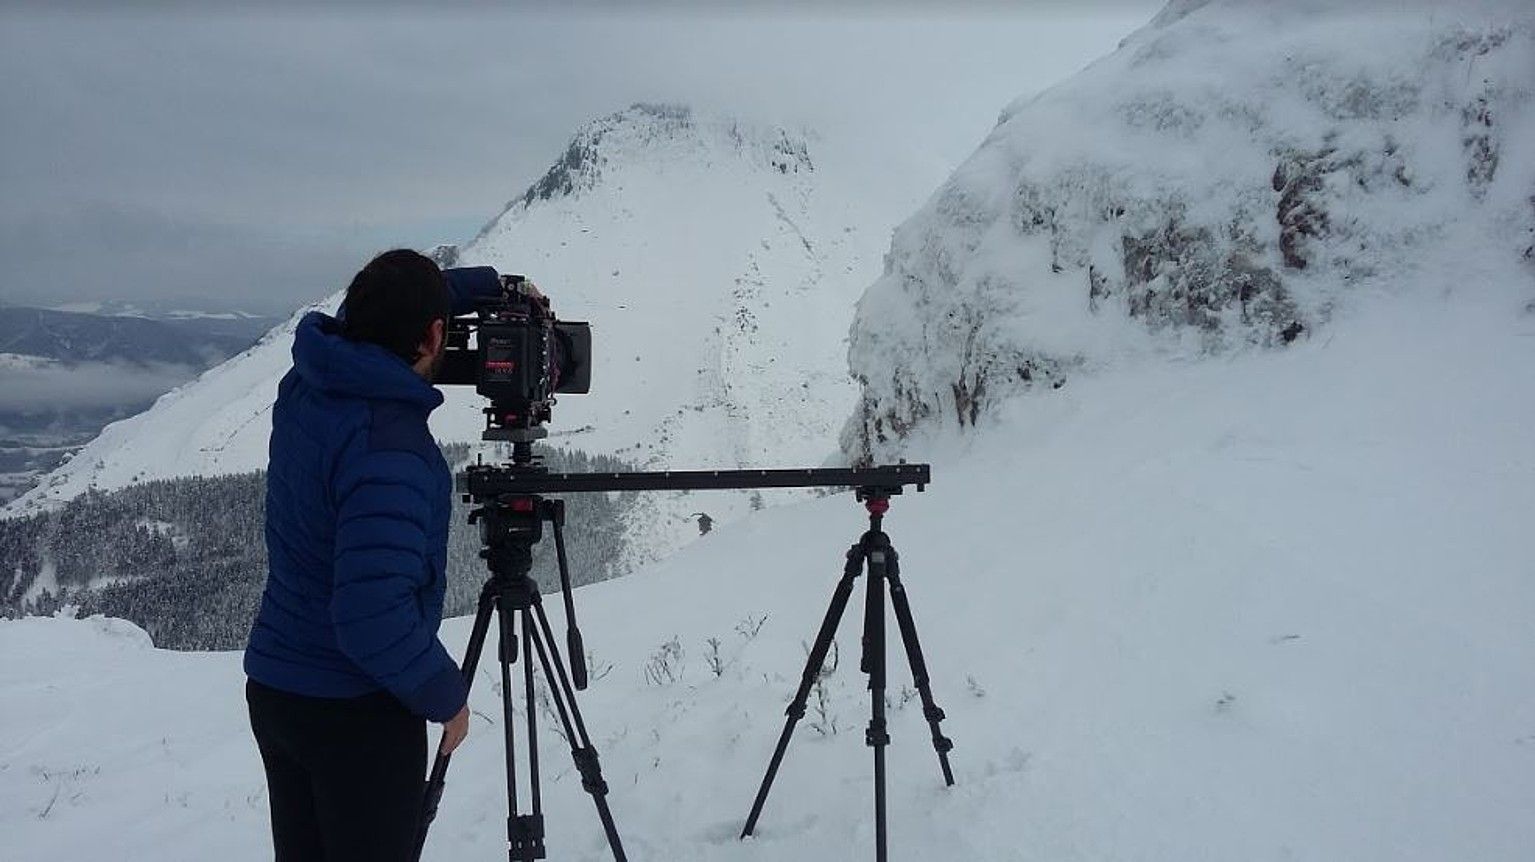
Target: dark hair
{"points": [[393, 300]]}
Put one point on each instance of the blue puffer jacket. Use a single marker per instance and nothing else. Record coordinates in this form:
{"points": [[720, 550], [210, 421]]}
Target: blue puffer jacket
{"points": [[357, 509]]}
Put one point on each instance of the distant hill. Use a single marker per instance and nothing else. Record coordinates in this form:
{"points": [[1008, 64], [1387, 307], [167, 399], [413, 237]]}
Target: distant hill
{"points": [[74, 337]]}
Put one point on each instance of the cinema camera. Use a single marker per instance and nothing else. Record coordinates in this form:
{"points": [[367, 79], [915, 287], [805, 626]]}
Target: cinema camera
{"points": [[520, 359], [522, 356]]}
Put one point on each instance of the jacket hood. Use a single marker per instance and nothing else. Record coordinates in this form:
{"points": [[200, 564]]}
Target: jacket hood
{"points": [[336, 366]]}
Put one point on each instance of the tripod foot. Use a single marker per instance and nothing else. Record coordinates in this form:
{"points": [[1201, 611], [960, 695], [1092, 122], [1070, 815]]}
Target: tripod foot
{"points": [[525, 834]]}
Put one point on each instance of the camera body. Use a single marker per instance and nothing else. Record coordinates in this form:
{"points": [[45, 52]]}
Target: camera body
{"points": [[504, 340]]}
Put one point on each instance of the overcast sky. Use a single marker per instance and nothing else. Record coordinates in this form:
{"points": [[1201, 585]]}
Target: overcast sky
{"points": [[254, 159]]}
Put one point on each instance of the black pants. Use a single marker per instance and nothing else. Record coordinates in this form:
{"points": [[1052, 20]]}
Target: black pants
{"points": [[345, 776]]}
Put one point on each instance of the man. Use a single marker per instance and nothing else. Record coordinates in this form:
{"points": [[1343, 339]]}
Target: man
{"points": [[344, 663]]}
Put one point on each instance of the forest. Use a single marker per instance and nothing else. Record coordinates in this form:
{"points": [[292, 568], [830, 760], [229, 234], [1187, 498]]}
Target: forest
{"points": [[186, 559]]}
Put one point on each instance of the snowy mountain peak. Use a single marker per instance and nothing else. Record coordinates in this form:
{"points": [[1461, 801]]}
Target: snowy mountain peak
{"points": [[1176, 10], [1233, 176], [664, 132]]}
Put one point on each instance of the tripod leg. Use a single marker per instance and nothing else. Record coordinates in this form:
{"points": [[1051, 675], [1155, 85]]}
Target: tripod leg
{"points": [[878, 735], [573, 645], [438, 779], [930, 710], [581, 749], [531, 831], [516, 824], [813, 664]]}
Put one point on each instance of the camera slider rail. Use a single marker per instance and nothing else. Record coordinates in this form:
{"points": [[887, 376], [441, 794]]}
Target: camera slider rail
{"points": [[486, 481]]}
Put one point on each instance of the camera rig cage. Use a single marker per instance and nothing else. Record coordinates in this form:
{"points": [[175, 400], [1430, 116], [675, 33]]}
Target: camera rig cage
{"points": [[522, 355]]}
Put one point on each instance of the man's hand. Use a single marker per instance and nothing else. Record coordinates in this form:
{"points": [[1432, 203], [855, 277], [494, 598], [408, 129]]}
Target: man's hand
{"points": [[454, 730]]}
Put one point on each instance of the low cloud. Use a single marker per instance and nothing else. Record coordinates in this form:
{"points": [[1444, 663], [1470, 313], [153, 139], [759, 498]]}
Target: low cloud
{"points": [[56, 388]]}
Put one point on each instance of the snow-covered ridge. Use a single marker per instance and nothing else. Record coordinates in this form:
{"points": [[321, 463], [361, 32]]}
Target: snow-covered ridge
{"points": [[661, 132], [119, 308], [1229, 177]]}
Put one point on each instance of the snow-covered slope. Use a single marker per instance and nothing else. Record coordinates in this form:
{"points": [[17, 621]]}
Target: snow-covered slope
{"points": [[1270, 608], [718, 263], [1231, 176]]}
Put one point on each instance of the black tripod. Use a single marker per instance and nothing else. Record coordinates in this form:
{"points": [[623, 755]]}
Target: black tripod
{"points": [[874, 550], [509, 526]]}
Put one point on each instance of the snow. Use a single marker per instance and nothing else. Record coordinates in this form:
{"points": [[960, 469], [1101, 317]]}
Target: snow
{"points": [[47, 581], [111, 309], [119, 308], [1168, 620], [186, 314], [1207, 600], [179, 538], [24, 362]]}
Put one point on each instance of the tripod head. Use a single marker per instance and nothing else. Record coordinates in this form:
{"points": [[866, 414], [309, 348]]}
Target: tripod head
{"points": [[513, 525], [876, 499]]}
